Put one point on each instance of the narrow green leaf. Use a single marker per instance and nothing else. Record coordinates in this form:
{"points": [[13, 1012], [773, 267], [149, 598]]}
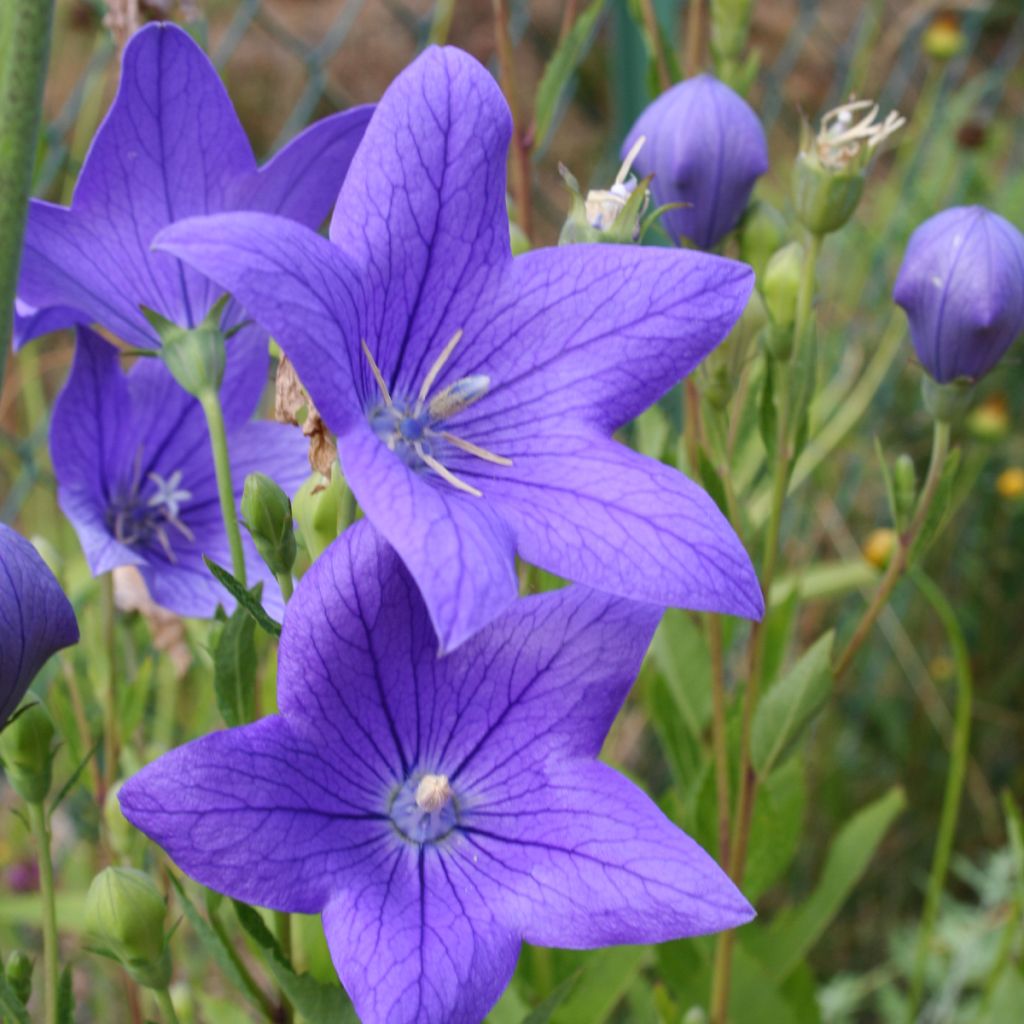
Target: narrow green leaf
{"points": [[234, 669], [65, 998], [244, 597], [776, 831], [11, 1007], [766, 410], [713, 482], [604, 980], [542, 1013], [784, 946], [312, 999], [790, 704], [212, 943], [890, 488], [69, 785], [560, 68], [940, 508]]}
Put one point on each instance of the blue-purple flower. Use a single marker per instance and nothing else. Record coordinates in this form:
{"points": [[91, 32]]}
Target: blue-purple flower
{"points": [[135, 475], [36, 619], [474, 395], [705, 147], [962, 286], [436, 811], [170, 147]]}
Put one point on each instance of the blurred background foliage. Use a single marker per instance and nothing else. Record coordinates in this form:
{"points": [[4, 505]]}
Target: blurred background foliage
{"points": [[287, 62]]}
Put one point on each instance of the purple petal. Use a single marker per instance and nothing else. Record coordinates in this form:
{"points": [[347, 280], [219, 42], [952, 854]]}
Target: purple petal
{"points": [[301, 182], [592, 510], [36, 619], [457, 547], [595, 333], [577, 856], [422, 210], [299, 287], [417, 945], [170, 147], [257, 813]]}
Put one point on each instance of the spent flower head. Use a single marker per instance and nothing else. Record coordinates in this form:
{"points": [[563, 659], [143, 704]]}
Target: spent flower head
{"points": [[850, 133], [436, 812], [474, 394]]}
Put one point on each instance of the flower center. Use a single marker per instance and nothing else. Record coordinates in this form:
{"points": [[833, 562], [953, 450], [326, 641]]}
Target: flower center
{"points": [[424, 809], [136, 520], [415, 430]]}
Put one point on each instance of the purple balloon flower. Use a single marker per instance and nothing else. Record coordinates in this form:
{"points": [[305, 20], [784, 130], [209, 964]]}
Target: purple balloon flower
{"points": [[36, 619], [962, 286], [474, 395], [171, 146], [705, 147], [437, 812], [135, 476]]}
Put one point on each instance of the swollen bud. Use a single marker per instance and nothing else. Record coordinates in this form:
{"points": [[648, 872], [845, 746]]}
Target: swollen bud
{"points": [[317, 506], [18, 972], [267, 514], [879, 546], [762, 232], [124, 917], [780, 284], [990, 419], [904, 488], [944, 39], [26, 750], [194, 355]]}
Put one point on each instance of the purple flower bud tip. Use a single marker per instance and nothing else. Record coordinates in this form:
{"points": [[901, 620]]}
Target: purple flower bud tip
{"points": [[962, 286], [706, 148], [36, 619]]}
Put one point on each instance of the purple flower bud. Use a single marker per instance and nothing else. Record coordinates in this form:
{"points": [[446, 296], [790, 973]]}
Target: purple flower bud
{"points": [[706, 148], [962, 286]]}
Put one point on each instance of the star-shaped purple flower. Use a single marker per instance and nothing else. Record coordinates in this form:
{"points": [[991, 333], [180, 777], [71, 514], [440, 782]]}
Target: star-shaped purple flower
{"points": [[437, 811], [474, 395], [171, 146], [36, 619], [135, 476]]}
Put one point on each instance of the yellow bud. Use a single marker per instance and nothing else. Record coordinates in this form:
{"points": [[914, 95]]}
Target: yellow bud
{"points": [[879, 546], [990, 420], [1010, 483], [943, 39]]}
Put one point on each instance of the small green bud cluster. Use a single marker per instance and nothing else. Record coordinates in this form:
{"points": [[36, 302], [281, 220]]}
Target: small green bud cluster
{"points": [[27, 750], [124, 918], [267, 514]]}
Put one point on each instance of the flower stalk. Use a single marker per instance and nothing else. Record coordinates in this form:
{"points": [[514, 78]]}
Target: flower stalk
{"points": [[210, 401], [24, 50], [954, 782], [163, 1000], [41, 833]]}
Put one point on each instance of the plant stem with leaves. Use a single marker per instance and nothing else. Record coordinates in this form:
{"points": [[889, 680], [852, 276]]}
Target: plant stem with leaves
{"points": [[41, 831]]}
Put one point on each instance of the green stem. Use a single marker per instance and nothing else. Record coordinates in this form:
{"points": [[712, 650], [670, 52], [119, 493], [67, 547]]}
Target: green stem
{"points": [[41, 831], [954, 781], [110, 723], [901, 556], [268, 1008], [24, 49], [210, 402], [163, 1000]]}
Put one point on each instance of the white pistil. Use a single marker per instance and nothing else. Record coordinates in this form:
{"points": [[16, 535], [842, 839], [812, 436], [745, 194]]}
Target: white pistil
{"points": [[432, 793]]}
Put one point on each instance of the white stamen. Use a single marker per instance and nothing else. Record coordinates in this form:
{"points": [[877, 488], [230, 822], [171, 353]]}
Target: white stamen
{"points": [[445, 473], [433, 793], [475, 449], [428, 381], [627, 164], [458, 396], [377, 375]]}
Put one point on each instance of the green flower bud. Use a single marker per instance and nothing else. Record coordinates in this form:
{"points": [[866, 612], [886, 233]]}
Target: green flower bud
{"points": [[904, 488], [195, 356], [317, 506], [124, 917], [267, 514], [780, 284], [26, 750], [19, 975], [947, 402], [763, 230]]}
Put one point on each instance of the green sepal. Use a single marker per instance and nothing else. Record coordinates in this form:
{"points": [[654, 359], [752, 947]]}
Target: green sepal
{"points": [[194, 356]]}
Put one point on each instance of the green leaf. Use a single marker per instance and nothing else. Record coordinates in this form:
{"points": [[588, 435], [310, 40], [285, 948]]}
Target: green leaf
{"points": [[311, 998], [767, 421], [560, 68], [785, 945], [244, 597], [69, 785], [604, 980], [234, 669], [65, 999], [890, 487], [542, 1013], [939, 510], [779, 621], [713, 483], [11, 1007], [776, 830], [790, 704], [212, 943]]}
